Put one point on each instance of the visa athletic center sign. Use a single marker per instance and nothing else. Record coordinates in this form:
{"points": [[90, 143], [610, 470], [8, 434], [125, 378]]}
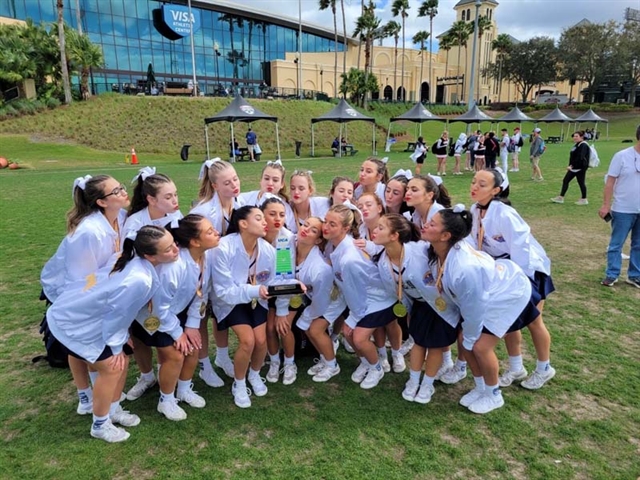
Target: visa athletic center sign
{"points": [[176, 18]]}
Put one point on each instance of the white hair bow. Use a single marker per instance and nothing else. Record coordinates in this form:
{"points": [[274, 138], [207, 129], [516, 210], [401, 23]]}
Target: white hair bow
{"points": [[384, 160], [298, 172], [144, 173], [132, 235], [81, 183], [277, 162], [436, 179], [403, 173], [459, 208], [207, 164], [266, 196], [353, 208], [175, 222]]}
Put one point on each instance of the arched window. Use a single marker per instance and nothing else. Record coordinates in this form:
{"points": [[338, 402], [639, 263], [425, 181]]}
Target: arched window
{"points": [[469, 14], [464, 15]]}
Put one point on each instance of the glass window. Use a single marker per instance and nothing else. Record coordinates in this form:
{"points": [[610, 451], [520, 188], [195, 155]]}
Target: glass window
{"points": [[32, 11], [123, 58], [106, 24], [132, 27], [117, 8], [119, 28], [89, 5], [92, 22]]}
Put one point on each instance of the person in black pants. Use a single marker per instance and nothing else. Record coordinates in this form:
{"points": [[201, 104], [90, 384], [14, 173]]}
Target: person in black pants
{"points": [[492, 148], [578, 165]]}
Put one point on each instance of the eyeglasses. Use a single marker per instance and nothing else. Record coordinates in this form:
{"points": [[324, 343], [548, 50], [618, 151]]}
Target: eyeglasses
{"points": [[116, 191]]}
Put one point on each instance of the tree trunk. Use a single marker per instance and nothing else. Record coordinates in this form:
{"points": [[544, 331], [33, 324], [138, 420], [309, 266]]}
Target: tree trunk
{"points": [[344, 32], [458, 75], [394, 95], [335, 58], [430, 60], [404, 95], [500, 80], [63, 55], [78, 17], [466, 68], [421, 66], [479, 67]]}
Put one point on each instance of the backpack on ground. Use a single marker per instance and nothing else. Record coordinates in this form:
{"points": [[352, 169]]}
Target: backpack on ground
{"points": [[542, 148], [57, 354], [452, 149], [594, 160], [520, 141]]}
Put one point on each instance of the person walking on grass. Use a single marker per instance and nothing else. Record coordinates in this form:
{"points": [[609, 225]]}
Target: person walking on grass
{"points": [[578, 165], [252, 140], [534, 155], [622, 205]]}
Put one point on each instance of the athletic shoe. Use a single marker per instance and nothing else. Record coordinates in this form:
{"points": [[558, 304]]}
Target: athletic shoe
{"points": [[536, 380], [336, 344], [407, 345], [140, 387], [410, 390], [258, 385], [454, 375], [359, 374], [374, 375], [191, 398], [85, 408], [274, 372], [226, 366], [289, 374], [444, 174], [241, 396], [487, 402], [124, 418], [326, 373], [399, 365], [471, 396], [123, 397], [347, 346], [582, 201], [633, 281], [557, 200], [508, 377], [384, 363], [211, 378], [444, 368], [424, 394], [171, 410], [512, 170], [609, 282], [319, 365], [110, 433], [516, 169]]}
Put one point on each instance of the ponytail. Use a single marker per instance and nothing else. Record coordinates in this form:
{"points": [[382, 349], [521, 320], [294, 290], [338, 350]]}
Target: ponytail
{"points": [[145, 243], [457, 221], [187, 229], [85, 200], [239, 214], [146, 186]]}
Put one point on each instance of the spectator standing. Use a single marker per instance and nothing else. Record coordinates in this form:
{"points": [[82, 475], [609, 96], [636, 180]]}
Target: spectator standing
{"points": [[578, 165], [252, 140], [535, 154], [469, 146], [478, 152], [492, 147], [504, 149], [440, 151], [623, 187], [516, 141], [458, 151]]}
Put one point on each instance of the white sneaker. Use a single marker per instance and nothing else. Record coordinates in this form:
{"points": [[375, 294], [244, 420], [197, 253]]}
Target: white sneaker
{"points": [[289, 374], [508, 377], [274, 372], [226, 366], [399, 365], [444, 368], [471, 396], [374, 375], [258, 385], [211, 378], [536, 380], [319, 365], [241, 396], [407, 345], [384, 363], [110, 433], [140, 387], [424, 394], [326, 373], [487, 402], [347, 346], [84, 408], [410, 390], [454, 375], [359, 374], [124, 418], [171, 410], [191, 398]]}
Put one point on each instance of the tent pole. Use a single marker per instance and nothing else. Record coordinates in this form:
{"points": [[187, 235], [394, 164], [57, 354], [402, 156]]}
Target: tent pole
{"points": [[607, 131], [387, 141], [206, 138], [373, 150], [313, 153], [278, 142], [340, 147], [233, 147], [420, 129]]}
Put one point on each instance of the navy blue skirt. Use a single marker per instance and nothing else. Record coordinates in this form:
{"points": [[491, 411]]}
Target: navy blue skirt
{"points": [[106, 353], [243, 314], [157, 339], [378, 319], [541, 286], [527, 316], [428, 329]]}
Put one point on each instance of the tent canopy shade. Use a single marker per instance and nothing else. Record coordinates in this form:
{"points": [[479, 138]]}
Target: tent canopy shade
{"points": [[341, 113], [418, 114], [590, 116], [515, 116], [239, 110], [555, 117], [475, 115]]}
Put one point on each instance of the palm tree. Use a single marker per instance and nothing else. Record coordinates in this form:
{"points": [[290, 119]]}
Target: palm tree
{"points": [[83, 56], [344, 35], [421, 37], [460, 33], [484, 25], [501, 45], [79, 17], [324, 4], [366, 27], [63, 56], [429, 8], [393, 29], [231, 57], [446, 44], [401, 7]]}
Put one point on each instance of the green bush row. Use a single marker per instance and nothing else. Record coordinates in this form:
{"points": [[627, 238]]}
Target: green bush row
{"points": [[23, 106]]}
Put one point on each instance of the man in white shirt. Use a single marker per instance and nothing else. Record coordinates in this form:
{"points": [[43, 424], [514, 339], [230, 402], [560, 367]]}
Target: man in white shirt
{"points": [[504, 152], [515, 140], [623, 186]]}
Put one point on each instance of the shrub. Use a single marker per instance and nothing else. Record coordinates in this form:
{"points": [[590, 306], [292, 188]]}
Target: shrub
{"points": [[52, 103]]}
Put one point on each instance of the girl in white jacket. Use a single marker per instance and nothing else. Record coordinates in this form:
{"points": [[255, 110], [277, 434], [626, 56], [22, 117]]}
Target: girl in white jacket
{"points": [[91, 318]]}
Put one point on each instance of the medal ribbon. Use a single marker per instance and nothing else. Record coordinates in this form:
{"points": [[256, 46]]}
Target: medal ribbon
{"points": [[440, 273], [116, 244], [400, 270]]}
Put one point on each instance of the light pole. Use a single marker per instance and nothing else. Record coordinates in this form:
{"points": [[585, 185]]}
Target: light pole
{"points": [[193, 52], [473, 55], [300, 49], [216, 49]]}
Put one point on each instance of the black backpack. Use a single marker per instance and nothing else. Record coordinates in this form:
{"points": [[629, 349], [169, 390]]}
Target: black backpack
{"points": [[452, 149], [520, 141], [56, 352]]}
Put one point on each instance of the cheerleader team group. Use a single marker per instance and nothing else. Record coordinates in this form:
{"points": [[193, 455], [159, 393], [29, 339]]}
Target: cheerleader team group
{"points": [[372, 258]]}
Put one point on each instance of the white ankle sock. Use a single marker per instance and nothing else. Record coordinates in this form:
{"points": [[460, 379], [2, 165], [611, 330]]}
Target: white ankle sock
{"points": [[515, 363], [149, 376], [289, 360], [542, 367], [446, 356], [184, 386]]}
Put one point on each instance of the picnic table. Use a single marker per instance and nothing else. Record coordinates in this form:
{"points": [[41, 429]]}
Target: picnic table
{"points": [[411, 146], [347, 149], [552, 139], [243, 152]]}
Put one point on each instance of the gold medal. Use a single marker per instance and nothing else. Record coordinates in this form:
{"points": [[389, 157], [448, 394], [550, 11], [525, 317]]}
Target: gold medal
{"points": [[152, 323], [399, 310], [295, 301], [203, 309], [254, 303], [441, 304]]}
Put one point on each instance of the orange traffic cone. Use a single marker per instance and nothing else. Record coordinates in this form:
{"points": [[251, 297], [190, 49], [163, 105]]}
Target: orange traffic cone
{"points": [[134, 157]]}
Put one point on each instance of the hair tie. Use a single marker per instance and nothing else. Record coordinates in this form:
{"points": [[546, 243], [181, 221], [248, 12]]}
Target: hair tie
{"points": [[132, 235], [436, 179], [207, 164], [459, 208], [266, 196], [81, 183], [277, 162], [301, 172], [403, 173], [144, 173]]}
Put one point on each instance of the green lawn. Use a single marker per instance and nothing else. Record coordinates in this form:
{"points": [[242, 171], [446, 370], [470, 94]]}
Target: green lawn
{"points": [[583, 424]]}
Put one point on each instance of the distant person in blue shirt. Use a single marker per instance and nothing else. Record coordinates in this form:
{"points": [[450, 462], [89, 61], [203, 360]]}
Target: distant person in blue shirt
{"points": [[335, 146], [252, 139]]}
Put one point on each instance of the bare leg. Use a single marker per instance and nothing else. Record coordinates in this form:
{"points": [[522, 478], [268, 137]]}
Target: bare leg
{"points": [[394, 333], [416, 358], [434, 361], [246, 346], [143, 356], [484, 353], [171, 361], [105, 387], [260, 348], [320, 338], [80, 372], [364, 346], [273, 344]]}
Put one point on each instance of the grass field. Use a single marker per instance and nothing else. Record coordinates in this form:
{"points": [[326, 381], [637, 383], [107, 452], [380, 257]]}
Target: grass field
{"points": [[583, 424]]}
